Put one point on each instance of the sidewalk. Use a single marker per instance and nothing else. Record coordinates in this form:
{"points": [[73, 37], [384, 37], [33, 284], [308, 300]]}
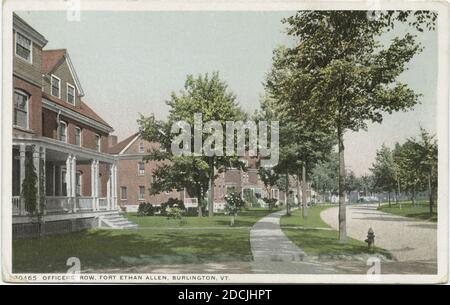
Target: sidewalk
{"points": [[273, 252]]}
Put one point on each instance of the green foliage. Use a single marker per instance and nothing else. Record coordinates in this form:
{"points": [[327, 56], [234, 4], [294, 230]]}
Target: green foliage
{"points": [[145, 209], [29, 186], [234, 203], [383, 170], [250, 198], [172, 203], [205, 94], [271, 203]]}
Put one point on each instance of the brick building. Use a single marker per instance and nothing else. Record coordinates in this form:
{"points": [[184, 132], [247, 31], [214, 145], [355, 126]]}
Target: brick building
{"points": [[56, 130]]}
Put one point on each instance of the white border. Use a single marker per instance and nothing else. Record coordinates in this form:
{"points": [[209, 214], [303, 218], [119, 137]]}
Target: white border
{"points": [[442, 134]]}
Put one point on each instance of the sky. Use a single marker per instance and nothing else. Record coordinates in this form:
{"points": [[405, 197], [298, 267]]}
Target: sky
{"points": [[130, 62]]}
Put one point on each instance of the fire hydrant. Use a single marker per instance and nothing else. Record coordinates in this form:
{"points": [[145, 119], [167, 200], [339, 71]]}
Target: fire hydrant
{"points": [[370, 239]]}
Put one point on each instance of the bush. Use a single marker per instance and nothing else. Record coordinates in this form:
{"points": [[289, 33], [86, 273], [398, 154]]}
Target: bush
{"points": [[146, 209], [171, 203], [271, 202], [233, 204]]}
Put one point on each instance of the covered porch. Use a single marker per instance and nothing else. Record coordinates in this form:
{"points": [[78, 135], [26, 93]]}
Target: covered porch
{"points": [[74, 179]]}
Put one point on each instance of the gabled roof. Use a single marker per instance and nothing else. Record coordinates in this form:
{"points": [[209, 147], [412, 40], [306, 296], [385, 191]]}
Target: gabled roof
{"points": [[82, 109], [119, 147], [52, 58]]}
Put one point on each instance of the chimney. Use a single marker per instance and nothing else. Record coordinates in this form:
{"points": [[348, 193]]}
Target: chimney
{"points": [[112, 140]]}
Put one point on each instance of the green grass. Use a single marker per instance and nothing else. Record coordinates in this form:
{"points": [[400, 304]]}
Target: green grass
{"points": [[151, 244], [245, 218], [315, 240], [420, 211]]}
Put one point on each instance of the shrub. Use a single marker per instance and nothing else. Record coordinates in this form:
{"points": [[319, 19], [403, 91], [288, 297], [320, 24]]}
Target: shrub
{"points": [[146, 209], [271, 202], [233, 204], [171, 203]]}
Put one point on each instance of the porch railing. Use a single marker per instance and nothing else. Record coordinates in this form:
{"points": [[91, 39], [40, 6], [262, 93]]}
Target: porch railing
{"points": [[58, 204], [62, 205], [85, 203], [103, 203]]}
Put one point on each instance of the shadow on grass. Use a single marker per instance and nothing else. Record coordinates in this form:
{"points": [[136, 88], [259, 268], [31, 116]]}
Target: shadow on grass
{"points": [[115, 249], [326, 243]]}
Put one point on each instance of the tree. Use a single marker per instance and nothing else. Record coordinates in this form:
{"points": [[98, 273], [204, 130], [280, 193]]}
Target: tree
{"points": [[325, 176], [208, 96], [269, 178], [383, 170], [33, 189], [338, 76], [301, 147], [426, 151], [30, 187]]}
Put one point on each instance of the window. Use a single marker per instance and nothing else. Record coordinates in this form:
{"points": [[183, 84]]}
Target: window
{"points": [[23, 47], [97, 142], [78, 136], [20, 109], [141, 192], [71, 94], [141, 147], [123, 193], [141, 168], [62, 136], [56, 86]]}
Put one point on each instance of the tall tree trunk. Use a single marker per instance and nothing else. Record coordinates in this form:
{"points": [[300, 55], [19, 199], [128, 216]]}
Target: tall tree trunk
{"points": [[199, 204], [304, 191], [399, 191], [342, 207], [211, 189], [288, 208], [299, 199], [389, 198], [430, 191]]}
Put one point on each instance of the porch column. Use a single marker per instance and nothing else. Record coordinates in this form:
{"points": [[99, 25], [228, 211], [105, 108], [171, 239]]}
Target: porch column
{"points": [[114, 187], [94, 184], [69, 178], [37, 167], [108, 187], [74, 183], [22, 151], [43, 175], [97, 182]]}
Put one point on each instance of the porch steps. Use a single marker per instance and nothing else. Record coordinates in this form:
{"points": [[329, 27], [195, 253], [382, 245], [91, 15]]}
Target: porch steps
{"points": [[114, 220]]}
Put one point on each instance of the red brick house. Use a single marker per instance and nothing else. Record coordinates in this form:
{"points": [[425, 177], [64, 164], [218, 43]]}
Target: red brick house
{"points": [[54, 128], [134, 174]]}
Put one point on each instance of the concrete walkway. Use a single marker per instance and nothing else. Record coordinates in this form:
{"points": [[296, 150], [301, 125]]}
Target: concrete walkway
{"points": [[406, 238], [273, 252]]}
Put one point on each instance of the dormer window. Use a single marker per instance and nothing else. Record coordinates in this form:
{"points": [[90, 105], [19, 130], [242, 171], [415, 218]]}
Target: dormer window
{"points": [[23, 47], [71, 94], [56, 86]]}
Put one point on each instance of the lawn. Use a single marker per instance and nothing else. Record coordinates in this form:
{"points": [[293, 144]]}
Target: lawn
{"points": [[316, 238], [420, 211], [154, 243], [245, 218]]}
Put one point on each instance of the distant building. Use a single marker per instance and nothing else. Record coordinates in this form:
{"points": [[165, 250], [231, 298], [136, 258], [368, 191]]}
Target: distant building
{"points": [[135, 175]]}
